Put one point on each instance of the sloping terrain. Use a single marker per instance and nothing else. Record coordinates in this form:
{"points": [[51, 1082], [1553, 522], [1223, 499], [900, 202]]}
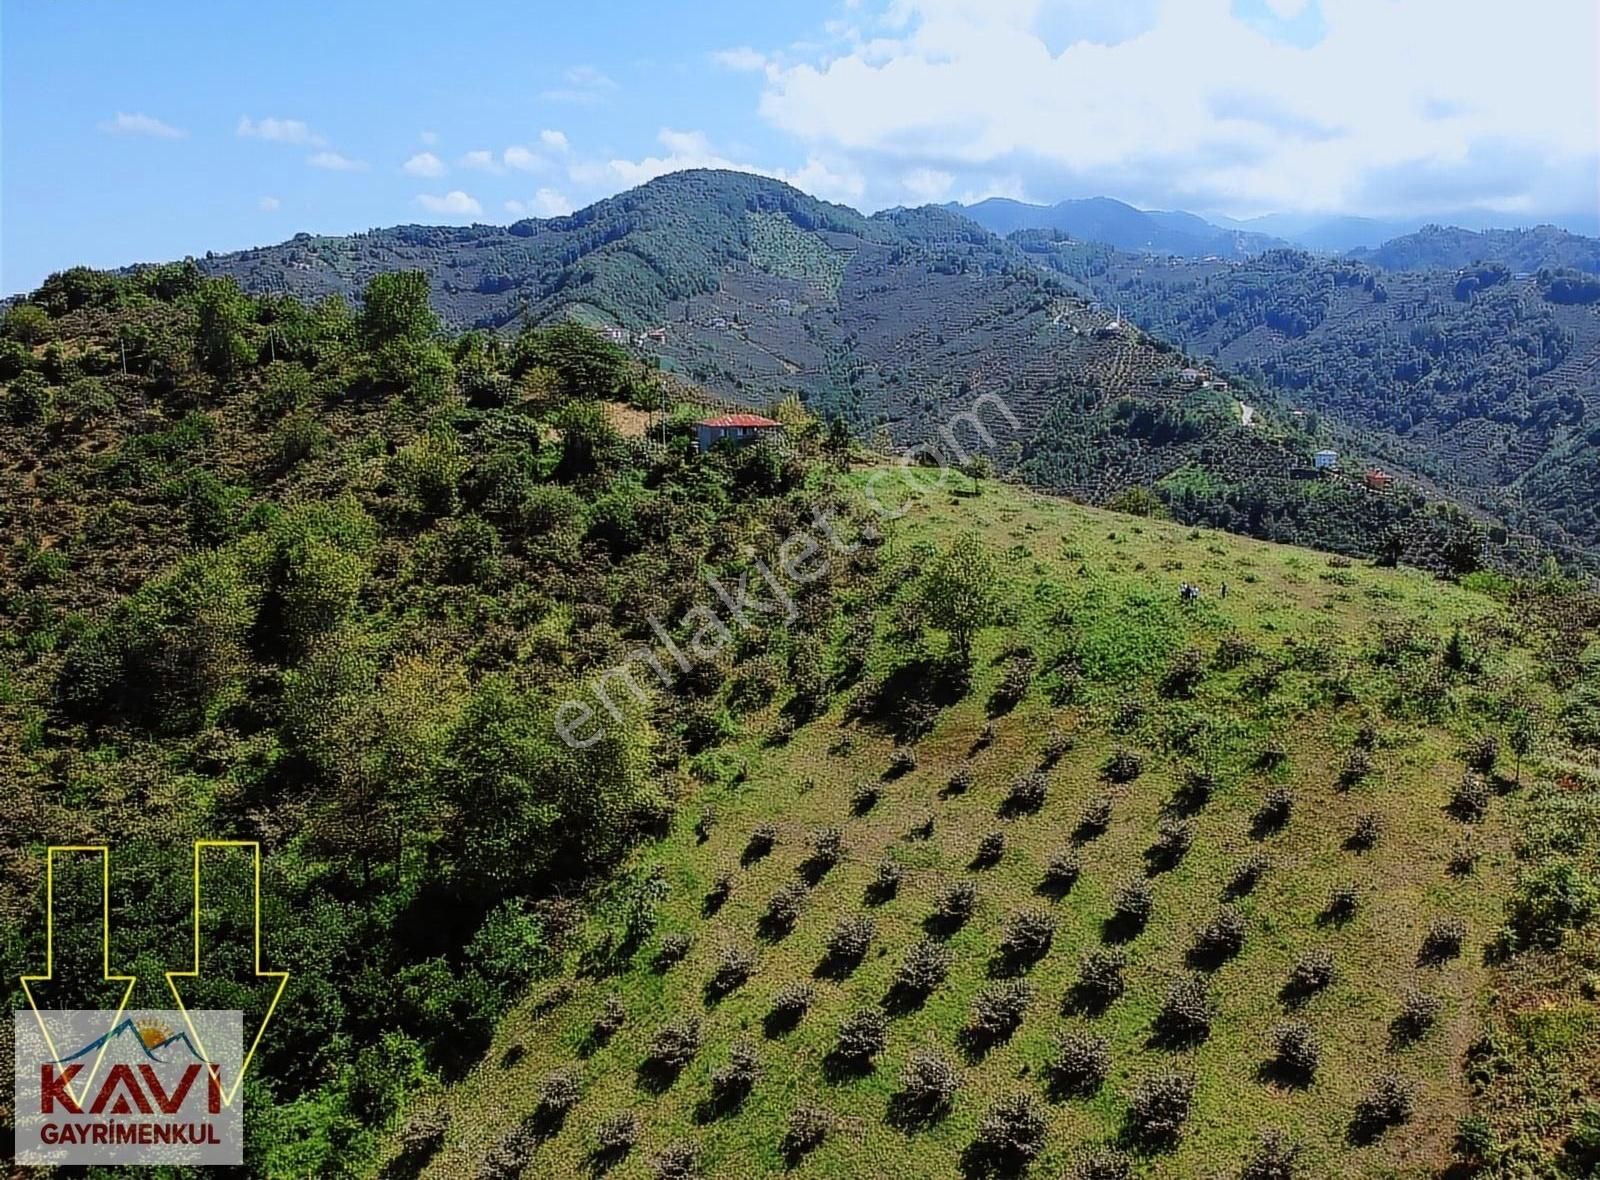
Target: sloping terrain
{"points": [[1486, 380], [1435, 247], [1154, 738], [899, 323]]}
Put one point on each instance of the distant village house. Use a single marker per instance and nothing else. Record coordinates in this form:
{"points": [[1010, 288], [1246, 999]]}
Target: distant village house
{"points": [[741, 428], [616, 335], [1325, 460], [1378, 479]]}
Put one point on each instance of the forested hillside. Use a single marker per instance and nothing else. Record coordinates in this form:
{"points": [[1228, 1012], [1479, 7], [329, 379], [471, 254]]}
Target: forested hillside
{"points": [[1048, 856], [899, 323], [1436, 247], [1484, 378]]}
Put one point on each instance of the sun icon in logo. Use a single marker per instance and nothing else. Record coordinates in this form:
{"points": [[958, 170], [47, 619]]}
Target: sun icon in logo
{"points": [[153, 1033]]}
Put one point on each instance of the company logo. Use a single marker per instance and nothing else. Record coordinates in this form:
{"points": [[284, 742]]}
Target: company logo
{"points": [[141, 1093]]}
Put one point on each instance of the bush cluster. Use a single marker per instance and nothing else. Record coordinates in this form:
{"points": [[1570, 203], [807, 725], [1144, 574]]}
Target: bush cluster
{"points": [[885, 880], [1012, 1133], [1391, 1102], [1080, 1064], [1100, 978], [1185, 1015], [677, 1161], [616, 1134], [1027, 794], [1311, 973], [731, 1083], [864, 798], [1469, 802], [862, 1036], [1221, 938], [783, 908], [1132, 904], [849, 939], [998, 1009], [990, 849], [762, 840], [734, 965], [675, 1044], [1418, 1012], [1096, 818], [674, 947], [1277, 1157], [1062, 870], [961, 780], [808, 1129], [924, 968], [1101, 1163], [1123, 766], [1276, 808], [954, 903], [1296, 1052], [928, 1085], [1247, 874], [1443, 940], [1159, 1107]]}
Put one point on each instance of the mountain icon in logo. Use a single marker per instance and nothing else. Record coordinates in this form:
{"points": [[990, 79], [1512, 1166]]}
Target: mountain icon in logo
{"points": [[155, 1040]]}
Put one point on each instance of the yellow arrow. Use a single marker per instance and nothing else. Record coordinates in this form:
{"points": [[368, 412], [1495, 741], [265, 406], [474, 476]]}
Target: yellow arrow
{"points": [[281, 976], [50, 955]]}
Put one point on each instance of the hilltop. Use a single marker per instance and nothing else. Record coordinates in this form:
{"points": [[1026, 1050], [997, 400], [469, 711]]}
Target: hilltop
{"points": [[1436, 247], [900, 324]]}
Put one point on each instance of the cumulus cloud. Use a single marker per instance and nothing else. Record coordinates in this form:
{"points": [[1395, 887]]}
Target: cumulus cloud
{"points": [[742, 58], [454, 203], [291, 131], [480, 160], [1199, 103], [423, 164], [523, 159], [334, 162], [547, 202], [582, 85], [554, 140], [137, 124], [692, 149]]}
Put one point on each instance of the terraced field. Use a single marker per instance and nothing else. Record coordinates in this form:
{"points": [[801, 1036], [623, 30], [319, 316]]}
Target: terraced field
{"points": [[1252, 755]]}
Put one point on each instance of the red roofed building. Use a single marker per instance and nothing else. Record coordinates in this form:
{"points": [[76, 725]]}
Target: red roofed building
{"points": [[741, 428]]}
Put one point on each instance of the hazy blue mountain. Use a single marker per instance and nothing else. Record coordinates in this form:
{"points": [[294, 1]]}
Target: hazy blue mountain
{"points": [[1115, 223], [1436, 247]]}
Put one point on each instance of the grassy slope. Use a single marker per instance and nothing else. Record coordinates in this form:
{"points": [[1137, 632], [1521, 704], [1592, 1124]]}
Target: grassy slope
{"points": [[1119, 577]]}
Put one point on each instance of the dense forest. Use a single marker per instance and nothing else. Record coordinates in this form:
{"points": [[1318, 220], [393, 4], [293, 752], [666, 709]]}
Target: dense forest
{"points": [[1481, 377], [319, 576]]}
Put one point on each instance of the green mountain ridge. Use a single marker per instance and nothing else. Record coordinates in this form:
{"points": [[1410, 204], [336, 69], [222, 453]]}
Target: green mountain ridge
{"points": [[1483, 378]]}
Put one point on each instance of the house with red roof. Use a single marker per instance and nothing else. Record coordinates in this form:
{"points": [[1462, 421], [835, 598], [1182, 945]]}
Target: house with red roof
{"points": [[741, 428]]}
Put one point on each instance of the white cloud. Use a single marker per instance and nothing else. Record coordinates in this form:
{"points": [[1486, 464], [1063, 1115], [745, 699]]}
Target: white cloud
{"points": [[423, 164], [291, 131], [583, 84], [554, 140], [522, 159], [927, 185], [547, 202], [334, 162], [691, 149], [454, 203], [1193, 106], [136, 124], [269, 204], [742, 58], [480, 160]]}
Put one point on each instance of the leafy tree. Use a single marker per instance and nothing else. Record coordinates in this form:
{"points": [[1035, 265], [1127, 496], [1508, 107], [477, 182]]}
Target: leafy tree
{"points": [[959, 593], [222, 343]]}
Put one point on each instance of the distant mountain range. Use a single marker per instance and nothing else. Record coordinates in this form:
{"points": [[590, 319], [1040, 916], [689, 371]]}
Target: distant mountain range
{"points": [[1114, 223], [1102, 219], [897, 322], [1471, 357]]}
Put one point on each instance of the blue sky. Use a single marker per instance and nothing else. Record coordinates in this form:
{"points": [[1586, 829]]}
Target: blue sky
{"points": [[142, 131]]}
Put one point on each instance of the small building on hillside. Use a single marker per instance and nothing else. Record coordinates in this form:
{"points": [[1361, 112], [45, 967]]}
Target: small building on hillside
{"points": [[616, 335], [1378, 479], [741, 428], [1191, 376], [1325, 460]]}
